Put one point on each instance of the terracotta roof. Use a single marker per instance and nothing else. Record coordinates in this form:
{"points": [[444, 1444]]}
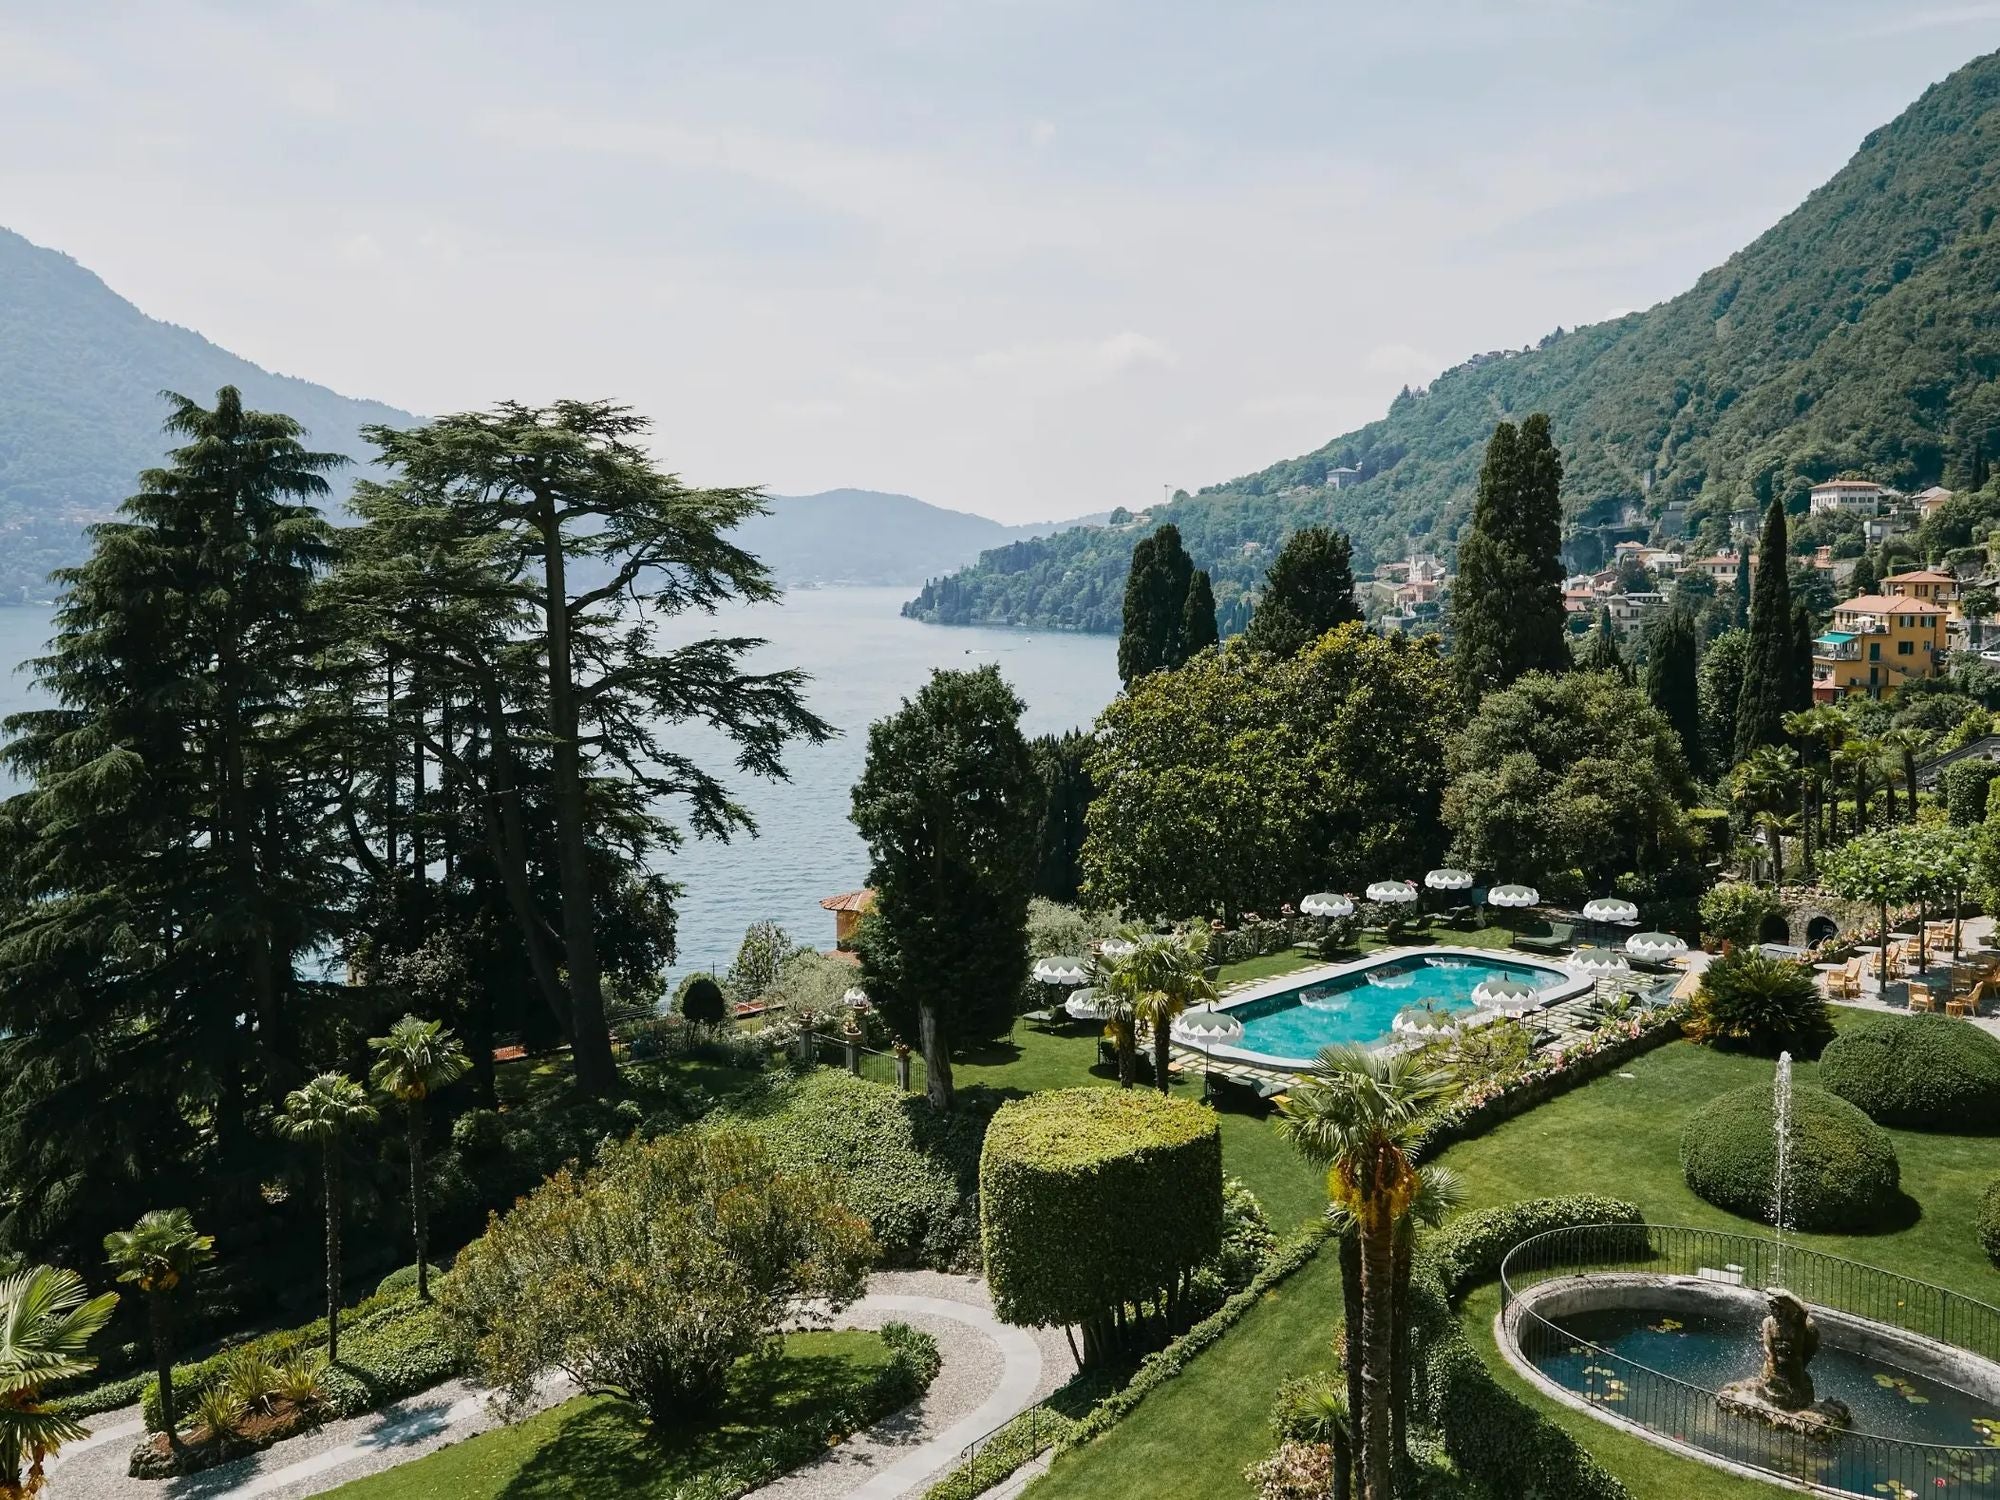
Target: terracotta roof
{"points": [[1847, 484], [1887, 604], [861, 900], [1920, 575]]}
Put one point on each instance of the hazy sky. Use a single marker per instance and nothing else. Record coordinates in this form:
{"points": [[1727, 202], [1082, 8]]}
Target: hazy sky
{"points": [[1031, 259]]}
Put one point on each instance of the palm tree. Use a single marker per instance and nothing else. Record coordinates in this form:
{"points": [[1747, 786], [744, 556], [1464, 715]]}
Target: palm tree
{"points": [[1823, 729], [412, 1062], [1120, 989], [1170, 975], [159, 1253], [1359, 1115], [323, 1112], [1439, 1195], [1905, 744], [1765, 785], [44, 1324], [1860, 755]]}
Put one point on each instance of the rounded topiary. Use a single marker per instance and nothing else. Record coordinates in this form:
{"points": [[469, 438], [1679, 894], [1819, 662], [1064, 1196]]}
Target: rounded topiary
{"points": [[1922, 1071], [1841, 1174], [701, 999], [1989, 1221], [398, 1282], [1090, 1198]]}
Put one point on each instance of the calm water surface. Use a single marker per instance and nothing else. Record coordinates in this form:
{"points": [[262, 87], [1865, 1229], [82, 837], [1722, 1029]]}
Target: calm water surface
{"points": [[864, 660], [1362, 1007]]}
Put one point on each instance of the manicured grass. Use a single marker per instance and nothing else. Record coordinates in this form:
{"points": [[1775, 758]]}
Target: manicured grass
{"points": [[1270, 966], [1192, 1437], [597, 1446]]}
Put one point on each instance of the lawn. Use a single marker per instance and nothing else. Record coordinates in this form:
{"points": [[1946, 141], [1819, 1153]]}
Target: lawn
{"points": [[597, 1445]]}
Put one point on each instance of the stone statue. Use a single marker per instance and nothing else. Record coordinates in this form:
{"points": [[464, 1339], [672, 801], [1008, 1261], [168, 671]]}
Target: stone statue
{"points": [[1781, 1395]]}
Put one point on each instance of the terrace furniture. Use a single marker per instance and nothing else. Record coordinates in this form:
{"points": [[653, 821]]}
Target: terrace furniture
{"points": [[1253, 1097], [1845, 981], [1921, 997], [1045, 1020], [1961, 1007]]}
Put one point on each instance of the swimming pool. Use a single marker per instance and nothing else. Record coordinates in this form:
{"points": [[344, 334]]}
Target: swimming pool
{"points": [[1288, 1021]]}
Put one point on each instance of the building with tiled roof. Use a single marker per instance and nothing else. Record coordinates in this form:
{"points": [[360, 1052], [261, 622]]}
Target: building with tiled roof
{"points": [[1876, 644], [848, 908]]}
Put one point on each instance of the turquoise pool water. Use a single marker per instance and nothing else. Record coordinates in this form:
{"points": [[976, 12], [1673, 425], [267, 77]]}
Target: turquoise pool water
{"points": [[1362, 1006]]}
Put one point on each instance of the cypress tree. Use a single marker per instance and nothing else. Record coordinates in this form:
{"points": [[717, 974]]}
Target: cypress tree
{"points": [[1507, 609], [1803, 632], [1672, 682], [1768, 670], [1739, 618], [1600, 651], [1061, 761], [1198, 629], [1155, 617], [1307, 592], [1863, 580]]}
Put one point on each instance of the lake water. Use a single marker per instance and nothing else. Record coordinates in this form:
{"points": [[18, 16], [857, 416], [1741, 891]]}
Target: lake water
{"points": [[864, 659]]}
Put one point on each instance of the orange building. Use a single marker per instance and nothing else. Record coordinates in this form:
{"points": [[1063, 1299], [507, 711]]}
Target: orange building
{"points": [[848, 908], [1877, 642], [1925, 583]]}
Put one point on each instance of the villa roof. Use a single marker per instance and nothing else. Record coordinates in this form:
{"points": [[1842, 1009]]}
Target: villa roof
{"points": [[861, 900], [1847, 484], [1887, 604], [1920, 575]]}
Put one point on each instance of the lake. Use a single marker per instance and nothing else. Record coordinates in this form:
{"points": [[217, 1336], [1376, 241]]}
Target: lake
{"points": [[864, 659]]}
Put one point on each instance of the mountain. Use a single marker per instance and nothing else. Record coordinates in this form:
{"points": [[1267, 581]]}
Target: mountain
{"points": [[865, 536], [81, 371], [1861, 332]]}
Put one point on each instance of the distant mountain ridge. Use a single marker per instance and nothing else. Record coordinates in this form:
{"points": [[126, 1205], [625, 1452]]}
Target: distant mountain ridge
{"points": [[81, 371], [870, 537], [1860, 333]]}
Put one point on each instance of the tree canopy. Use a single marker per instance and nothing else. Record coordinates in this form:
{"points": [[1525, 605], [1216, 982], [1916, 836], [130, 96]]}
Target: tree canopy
{"points": [[1308, 591], [1506, 606]]}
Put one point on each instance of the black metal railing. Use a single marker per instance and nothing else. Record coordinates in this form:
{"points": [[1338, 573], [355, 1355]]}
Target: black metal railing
{"points": [[1686, 1413], [995, 1455]]}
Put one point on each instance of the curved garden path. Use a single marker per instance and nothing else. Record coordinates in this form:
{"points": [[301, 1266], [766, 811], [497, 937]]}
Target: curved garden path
{"points": [[989, 1372]]}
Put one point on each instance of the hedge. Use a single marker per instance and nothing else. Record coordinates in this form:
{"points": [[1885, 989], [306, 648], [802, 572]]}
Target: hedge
{"points": [[1926, 1072], [701, 1000], [1491, 1434], [1842, 1171], [1989, 1221], [909, 1172], [1094, 1198]]}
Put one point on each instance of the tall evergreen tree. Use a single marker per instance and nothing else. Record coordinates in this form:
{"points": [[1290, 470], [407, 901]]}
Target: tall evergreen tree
{"points": [[949, 803], [1198, 626], [1768, 671], [1507, 609], [1156, 594], [1739, 618], [1061, 760], [1672, 681], [1307, 592], [1799, 698], [1600, 651]]}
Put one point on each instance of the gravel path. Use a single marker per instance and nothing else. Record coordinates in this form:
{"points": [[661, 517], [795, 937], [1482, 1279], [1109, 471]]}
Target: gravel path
{"points": [[988, 1373]]}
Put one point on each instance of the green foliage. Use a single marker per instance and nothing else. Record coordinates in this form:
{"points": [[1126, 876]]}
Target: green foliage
{"points": [[1506, 606], [1156, 614], [907, 1170], [400, 1282], [1989, 1221], [1765, 1005], [700, 999], [1093, 1198], [1919, 1072], [1198, 625], [1841, 1170], [1848, 336], [1243, 781], [1308, 591], [1672, 680], [1965, 786], [760, 958], [1735, 911], [48, 1321], [1720, 687], [1062, 762], [1576, 771], [1767, 694], [653, 1272]]}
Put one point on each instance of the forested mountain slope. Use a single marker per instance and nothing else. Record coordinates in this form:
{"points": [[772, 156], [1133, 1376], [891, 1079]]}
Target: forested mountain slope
{"points": [[81, 371], [1861, 332]]}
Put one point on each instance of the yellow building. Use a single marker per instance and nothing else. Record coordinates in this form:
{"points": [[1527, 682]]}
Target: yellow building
{"points": [[1925, 583], [1877, 642]]}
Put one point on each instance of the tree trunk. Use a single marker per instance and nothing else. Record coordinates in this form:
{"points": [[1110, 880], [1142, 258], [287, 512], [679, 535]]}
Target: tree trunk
{"points": [[1350, 1304], [420, 1214], [332, 1253], [590, 1038], [1378, 1349], [1399, 1366], [163, 1361], [1808, 817], [1124, 1044], [1162, 1053], [509, 845], [937, 1056], [1910, 780]]}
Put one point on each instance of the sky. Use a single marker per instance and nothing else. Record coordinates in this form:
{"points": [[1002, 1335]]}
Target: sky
{"points": [[1032, 259]]}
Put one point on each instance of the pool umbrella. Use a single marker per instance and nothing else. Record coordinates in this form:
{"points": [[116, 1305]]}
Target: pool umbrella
{"points": [[1449, 880], [1611, 909], [1117, 947], [1204, 1026], [857, 999], [1513, 896], [1085, 1005], [1060, 971], [1659, 946], [1392, 892], [1423, 1023], [1500, 991], [1327, 904], [1599, 961]]}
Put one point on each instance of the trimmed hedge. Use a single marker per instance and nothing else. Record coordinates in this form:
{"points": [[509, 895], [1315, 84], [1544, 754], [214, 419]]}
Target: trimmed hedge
{"points": [[1092, 1198], [1924, 1072], [1989, 1221], [1492, 1435], [701, 1000], [909, 1171], [1842, 1171]]}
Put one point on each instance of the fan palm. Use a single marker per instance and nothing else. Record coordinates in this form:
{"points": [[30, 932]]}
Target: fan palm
{"points": [[1119, 992], [1171, 975], [414, 1061], [1905, 744], [158, 1254], [45, 1322], [1359, 1115], [324, 1112]]}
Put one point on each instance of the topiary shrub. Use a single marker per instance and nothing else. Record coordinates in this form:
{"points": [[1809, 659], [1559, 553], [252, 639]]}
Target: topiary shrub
{"points": [[1926, 1072], [1842, 1171], [1966, 785], [1763, 1005], [1091, 1199], [700, 999], [1989, 1221], [401, 1282]]}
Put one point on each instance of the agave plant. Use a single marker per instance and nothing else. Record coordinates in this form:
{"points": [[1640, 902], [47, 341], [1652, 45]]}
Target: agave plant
{"points": [[250, 1378], [217, 1411], [302, 1380]]}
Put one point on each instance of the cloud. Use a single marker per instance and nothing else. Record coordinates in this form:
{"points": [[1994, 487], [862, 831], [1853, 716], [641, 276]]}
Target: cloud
{"points": [[1041, 132], [1402, 362]]}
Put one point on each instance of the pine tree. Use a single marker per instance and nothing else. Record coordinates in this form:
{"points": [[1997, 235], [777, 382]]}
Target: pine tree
{"points": [[1061, 762], [1672, 681], [1198, 627], [1600, 651], [1803, 633], [1156, 593], [1507, 608], [1768, 671], [1307, 592]]}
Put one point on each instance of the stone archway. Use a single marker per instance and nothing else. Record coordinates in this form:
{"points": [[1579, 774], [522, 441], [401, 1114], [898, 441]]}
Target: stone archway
{"points": [[1818, 928]]}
